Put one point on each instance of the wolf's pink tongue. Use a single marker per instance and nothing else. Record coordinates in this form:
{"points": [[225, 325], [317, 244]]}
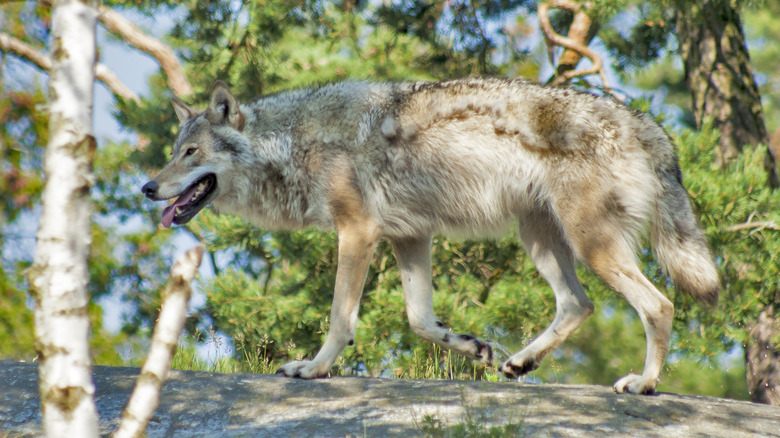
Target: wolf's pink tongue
{"points": [[170, 211]]}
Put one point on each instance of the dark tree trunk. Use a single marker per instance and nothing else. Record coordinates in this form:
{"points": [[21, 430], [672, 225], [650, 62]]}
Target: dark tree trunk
{"points": [[763, 360], [720, 77]]}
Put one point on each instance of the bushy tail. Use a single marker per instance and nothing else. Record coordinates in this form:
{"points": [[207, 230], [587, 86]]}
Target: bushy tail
{"points": [[679, 242]]}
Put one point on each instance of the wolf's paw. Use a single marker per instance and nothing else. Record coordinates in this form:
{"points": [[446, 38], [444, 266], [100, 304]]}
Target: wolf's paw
{"points": [[481, 351], [302, 369], [515, 367], [635, 384]]}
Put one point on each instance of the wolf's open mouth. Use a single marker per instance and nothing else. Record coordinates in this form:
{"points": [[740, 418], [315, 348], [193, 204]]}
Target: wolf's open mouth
{"points": [[191, 201]]}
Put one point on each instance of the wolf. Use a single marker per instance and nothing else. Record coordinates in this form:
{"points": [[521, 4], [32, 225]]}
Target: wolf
{"points": [[582, 177]]}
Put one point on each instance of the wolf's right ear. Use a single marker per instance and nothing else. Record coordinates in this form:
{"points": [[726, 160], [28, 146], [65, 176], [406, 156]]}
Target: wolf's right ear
{"points": [[223, 107], [183, 112]]}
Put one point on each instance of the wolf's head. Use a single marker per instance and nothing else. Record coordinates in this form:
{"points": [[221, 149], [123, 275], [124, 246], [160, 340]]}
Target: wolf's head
{"points": [[201, 157]]}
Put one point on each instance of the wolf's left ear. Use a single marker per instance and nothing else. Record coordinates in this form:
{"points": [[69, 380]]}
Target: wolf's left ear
{"points": [[223, 107], [183, 112]]}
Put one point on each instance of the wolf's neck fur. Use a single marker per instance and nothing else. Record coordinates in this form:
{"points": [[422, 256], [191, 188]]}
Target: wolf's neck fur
{"points": [[288, 134]]}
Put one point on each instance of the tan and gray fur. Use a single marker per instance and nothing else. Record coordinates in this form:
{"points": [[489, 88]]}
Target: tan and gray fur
{"points": [[584, 177]]}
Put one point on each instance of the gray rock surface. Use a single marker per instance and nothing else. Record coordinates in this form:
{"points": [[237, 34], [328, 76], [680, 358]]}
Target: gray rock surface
{"points": [[200, 404]]}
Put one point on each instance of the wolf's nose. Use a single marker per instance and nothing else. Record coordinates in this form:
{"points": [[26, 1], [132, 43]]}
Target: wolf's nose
{"points": [[150, 189]]}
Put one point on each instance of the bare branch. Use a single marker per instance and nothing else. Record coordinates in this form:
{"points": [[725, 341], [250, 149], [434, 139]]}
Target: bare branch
{"points": [[582, 30], [13, 45], [754, 226], [154, 47], [569, 5], [19, 48], [146, 395], [553, 38]]}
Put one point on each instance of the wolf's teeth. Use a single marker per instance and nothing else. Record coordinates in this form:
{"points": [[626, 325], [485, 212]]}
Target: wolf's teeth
{"points": [[199, 190]]}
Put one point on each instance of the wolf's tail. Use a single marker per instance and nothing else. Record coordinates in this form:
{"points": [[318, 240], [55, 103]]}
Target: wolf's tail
{"points": [[679, 241]]}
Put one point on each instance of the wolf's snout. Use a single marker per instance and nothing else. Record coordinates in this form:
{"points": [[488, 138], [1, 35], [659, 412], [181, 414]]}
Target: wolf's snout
{"points": [[150, 189]]}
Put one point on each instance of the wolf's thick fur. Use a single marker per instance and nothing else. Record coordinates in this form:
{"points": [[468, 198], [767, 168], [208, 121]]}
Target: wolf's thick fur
{"points": [[584, 176]]}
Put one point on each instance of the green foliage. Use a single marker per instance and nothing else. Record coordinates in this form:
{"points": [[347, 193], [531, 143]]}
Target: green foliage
{"points": [[15, 318], [21, 134], [642, 44], [457, 34], [740, 215]]}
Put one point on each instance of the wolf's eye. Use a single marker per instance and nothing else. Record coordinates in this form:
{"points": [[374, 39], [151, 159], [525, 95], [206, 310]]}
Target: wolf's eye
{"points": [[190, 151]]}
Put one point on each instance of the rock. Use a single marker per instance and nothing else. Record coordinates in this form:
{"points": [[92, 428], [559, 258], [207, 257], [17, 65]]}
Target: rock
{"points": [[201, 404]]}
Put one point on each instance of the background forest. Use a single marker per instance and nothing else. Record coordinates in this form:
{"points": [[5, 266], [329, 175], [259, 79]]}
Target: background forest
{"points": [[265, 296]]}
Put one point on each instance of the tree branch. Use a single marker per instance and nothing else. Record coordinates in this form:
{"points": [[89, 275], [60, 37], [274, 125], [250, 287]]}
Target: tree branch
{"points": [[19, 48], [755, 226], [146, 395], [553, 38], [152, 46], [582, 29]]}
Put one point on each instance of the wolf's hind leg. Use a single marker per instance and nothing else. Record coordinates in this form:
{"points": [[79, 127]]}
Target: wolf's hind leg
{"points": [[414, 262], [357, 243], [615, 263], [555, 262]]}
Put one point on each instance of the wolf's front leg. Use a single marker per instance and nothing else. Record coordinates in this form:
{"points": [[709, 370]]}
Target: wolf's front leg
{"points": [[414, 262], [357, 242]]}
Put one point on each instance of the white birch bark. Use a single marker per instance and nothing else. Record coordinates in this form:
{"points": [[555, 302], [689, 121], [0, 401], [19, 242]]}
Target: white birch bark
{"points": [[146, 395], [59, 275]]}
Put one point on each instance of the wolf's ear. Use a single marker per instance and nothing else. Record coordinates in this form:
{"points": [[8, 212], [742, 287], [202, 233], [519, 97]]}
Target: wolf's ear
{"points": [[183, 112], [223, 107]]}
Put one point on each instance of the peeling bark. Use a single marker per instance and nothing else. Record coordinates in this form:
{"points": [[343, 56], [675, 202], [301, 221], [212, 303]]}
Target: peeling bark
{"points": [[59, 274]]}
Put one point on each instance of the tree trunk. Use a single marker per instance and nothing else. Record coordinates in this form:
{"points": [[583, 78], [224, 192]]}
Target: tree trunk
{"points": [[763, 360], [720, 77], [146, 394], [59, 275]]}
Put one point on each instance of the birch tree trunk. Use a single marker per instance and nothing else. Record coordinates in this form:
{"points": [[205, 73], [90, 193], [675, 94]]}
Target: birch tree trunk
{"points": [[146, 395], [59, 275]]}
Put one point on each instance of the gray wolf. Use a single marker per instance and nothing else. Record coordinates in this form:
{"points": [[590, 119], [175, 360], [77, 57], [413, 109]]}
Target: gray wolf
{"points": [[583, 176]]}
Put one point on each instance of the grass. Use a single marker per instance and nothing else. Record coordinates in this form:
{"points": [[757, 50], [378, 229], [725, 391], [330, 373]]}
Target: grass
{"points": [[441, 365], [187, 358], [473, 424], [432, 427]]}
